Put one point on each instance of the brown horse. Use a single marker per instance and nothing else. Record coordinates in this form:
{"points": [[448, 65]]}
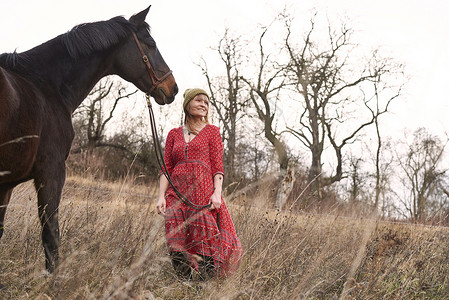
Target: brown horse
{"points": [[40, 89]]}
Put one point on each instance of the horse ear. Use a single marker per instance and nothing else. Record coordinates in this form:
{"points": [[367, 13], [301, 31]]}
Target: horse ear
{"points": [[139, 19]]}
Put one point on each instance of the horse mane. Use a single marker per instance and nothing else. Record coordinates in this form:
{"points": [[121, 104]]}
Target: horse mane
{"points": [[87, 38], [9, 60], [82, 40]]}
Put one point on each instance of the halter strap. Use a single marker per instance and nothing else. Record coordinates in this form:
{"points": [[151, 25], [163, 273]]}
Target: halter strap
{"points": [[154, 79]]}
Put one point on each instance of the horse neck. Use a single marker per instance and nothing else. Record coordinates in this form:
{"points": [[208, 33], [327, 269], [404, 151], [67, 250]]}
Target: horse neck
{"points": [[84, 75], [69, 79]]}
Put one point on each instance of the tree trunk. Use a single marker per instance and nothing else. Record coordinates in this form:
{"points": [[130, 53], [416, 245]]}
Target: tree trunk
{"points": [[285, 186], [315, 175]]}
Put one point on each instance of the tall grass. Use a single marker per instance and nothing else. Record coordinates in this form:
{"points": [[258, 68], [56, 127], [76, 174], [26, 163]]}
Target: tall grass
{"points": [[113, 248]]}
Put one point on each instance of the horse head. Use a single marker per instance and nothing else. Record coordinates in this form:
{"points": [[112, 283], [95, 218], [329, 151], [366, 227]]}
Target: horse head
{"points": [[139, 61]]}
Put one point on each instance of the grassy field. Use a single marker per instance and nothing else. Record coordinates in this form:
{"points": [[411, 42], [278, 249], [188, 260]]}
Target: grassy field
{"points": [[113, 248]]}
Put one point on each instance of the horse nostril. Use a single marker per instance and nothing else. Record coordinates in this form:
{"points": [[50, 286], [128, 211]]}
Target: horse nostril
{"points": [[175, 89]]}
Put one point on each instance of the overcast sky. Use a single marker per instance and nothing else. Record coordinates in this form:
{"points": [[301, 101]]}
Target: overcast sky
{"points": [[414, 31]]}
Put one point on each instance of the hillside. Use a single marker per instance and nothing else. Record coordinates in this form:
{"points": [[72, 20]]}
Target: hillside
{"points": [[113, 248]]}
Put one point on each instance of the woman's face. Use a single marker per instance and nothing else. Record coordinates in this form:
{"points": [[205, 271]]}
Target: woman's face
{"points": [[198, 106]]}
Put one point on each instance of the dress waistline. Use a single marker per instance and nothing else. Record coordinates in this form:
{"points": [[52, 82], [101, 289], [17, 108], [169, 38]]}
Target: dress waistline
{"points": [[192, 161]]}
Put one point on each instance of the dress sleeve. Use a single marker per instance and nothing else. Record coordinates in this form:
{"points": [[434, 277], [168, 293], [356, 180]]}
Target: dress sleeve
{"points": [[216, 152], [168, 152]]}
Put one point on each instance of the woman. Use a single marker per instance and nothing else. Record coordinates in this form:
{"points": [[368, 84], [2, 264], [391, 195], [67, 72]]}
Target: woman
{"points": [[199, 231]]}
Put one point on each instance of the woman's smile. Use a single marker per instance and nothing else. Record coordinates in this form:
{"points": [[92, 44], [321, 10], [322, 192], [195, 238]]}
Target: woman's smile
{"points": [[199, 106]]}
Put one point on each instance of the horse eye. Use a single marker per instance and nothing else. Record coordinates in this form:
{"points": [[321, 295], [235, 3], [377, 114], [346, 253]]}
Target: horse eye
{"points": [[151, 43]]}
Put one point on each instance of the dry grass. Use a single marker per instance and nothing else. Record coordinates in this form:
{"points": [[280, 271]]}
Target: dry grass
{"points": [[113, 248]]}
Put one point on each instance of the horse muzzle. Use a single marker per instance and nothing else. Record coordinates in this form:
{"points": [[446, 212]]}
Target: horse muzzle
{"points": [[165, 92]]}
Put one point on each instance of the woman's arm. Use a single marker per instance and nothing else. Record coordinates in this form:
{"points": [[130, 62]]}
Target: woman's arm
{"points": [[163, 182], [216, 158], [216, 196], [161, 203]]}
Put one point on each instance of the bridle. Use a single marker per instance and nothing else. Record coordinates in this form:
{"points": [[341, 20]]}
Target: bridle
{"points": [[157, 146], [154, 79]]}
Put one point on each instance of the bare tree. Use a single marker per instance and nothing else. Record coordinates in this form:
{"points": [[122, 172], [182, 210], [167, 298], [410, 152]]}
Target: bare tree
{"points": [[381, 87], [333, 102], [94, 115], [226, 96], [265, 94], [111, 144], [356, 178], [424, 177]]}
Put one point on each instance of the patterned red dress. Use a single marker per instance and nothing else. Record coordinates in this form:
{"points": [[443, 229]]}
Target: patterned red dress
{"points": [[192, 167]]}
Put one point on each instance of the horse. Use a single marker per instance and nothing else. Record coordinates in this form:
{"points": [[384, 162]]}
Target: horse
{"points": [[40, 89]]}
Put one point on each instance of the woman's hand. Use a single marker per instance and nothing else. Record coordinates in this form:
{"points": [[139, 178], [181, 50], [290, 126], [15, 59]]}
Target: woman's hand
{"points": [[215, 201], [161, 205]]}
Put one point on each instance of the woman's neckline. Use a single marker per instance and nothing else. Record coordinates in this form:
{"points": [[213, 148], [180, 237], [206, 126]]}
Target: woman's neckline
{"points": [[184, 129]]}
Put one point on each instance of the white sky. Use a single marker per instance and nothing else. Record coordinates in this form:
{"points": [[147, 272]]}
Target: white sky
{"points": [[414, 31]]}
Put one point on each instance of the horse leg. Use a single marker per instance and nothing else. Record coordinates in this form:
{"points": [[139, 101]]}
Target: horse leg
{"points": [[5, 195], [49, 189]]}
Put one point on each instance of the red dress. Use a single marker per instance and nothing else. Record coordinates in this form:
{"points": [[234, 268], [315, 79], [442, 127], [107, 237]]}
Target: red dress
{"points": [[192, 167]]}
